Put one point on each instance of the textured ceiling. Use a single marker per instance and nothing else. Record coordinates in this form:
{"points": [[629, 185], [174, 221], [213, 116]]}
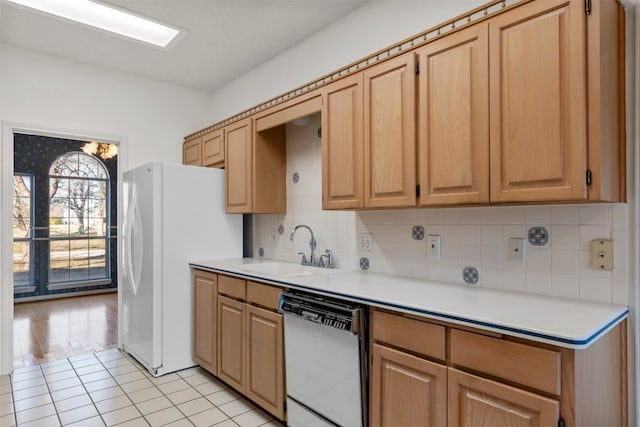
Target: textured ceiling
{"points": [[223, 39]]}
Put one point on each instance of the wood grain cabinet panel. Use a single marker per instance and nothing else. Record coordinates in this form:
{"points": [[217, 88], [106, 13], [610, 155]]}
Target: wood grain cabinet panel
{"points": [[265, 359], [231, 342], [476, 401], [239, 166], [407, 390], [453, 118], [192, 152], [205, 301], [520, 363], [255, 168], [538, 95], [389, 133], [213, 149], [342, 144]]}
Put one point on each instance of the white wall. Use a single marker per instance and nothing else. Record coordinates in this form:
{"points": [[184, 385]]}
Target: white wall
{"points": [[48, 94], [374, 26]]}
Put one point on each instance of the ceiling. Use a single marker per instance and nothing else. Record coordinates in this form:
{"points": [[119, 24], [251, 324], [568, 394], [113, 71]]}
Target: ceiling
{"points": [[223, 39]]}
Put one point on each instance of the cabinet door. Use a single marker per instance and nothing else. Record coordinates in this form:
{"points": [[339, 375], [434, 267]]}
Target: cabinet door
{"points": [[389, 133], [453, 119], [342, 144], [213, 148], [192, 152], [538, 102], [265, 360], [205, 290], [475, 401], [231, 342], [239, 166], [406, 390]]}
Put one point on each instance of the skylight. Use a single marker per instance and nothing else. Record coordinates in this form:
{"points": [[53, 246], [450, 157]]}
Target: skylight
{"points": [[106, 18]]}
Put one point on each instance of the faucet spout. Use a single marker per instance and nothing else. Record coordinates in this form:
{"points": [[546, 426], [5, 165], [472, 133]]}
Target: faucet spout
{"points": [[312, 243]]}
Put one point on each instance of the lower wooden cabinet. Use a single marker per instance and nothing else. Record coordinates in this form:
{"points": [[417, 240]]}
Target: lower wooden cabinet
{"points": [[406, 390], [205, 308], [239, 337], [265, 359], [480, 378], [231, 342], [476, 401]]}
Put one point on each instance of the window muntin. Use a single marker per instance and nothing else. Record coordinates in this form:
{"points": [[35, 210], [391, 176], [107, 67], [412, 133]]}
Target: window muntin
{"points": [[78, 219], [22, 230]]}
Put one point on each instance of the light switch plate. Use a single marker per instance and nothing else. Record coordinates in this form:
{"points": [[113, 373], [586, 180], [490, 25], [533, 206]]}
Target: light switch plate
{"points": [[602, 254], [516, 249], [433, 245], [366, 242]]}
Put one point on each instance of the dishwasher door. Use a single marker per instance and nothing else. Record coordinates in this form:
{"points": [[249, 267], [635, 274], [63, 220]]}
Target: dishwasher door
{"points": [[323, 374]]}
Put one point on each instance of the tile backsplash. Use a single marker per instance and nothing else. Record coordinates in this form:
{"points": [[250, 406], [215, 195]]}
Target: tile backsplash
{"points": [[557, 263]]}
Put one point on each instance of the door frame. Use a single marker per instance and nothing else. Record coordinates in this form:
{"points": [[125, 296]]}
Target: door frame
{"points": [[6, 233]]}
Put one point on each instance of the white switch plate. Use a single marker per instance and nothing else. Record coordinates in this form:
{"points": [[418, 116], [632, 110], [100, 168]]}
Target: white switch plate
{"points": [[602, 254], [366, 242], [433, 245], [516, 249]]}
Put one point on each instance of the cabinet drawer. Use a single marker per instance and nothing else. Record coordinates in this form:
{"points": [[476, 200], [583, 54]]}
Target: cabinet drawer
{"points": [[207, 275], [232, 287], [414, 335], [523, 364], [264, 295]]}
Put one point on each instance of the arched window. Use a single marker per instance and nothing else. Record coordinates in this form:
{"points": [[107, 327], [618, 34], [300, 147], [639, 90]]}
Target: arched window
{"points": [[79, 220]]}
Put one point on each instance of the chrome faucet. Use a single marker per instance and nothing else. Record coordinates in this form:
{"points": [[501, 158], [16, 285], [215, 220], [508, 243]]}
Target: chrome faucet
{"points": [[312, 245]]}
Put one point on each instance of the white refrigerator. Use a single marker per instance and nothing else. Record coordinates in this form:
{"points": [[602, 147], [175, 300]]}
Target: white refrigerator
{"points": [[173, 215]]}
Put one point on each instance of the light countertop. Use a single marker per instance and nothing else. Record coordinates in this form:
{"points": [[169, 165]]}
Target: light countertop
{"points": [[558, 321]]}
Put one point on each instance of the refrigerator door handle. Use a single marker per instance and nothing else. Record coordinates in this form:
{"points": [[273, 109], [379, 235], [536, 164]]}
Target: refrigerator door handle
{"points": [[134, 246]]}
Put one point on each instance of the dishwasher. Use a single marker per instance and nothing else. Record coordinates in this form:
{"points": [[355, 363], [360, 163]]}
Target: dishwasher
{"points": [[325, 360]]}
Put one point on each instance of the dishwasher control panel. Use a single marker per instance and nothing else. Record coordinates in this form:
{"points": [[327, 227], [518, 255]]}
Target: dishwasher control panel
{"points": [[322, 310]]}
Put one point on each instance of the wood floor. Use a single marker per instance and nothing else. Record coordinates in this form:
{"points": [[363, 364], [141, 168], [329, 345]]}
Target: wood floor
{"points": [[56, 329]]}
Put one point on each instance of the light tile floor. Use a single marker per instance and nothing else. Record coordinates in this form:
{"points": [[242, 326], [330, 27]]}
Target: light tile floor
{"points": [[110, 388]]}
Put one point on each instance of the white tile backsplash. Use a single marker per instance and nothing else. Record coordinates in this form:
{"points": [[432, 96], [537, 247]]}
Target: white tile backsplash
{"points": [[475, 237]]}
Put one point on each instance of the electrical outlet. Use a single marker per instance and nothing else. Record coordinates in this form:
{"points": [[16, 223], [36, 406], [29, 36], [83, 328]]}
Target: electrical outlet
{"points": [[602, 254], [516, 249], [366, 242], [433, 245]]}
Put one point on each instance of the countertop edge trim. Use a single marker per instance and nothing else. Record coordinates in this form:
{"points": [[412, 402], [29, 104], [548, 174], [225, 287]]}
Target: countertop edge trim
{"points": [[575, 344]]}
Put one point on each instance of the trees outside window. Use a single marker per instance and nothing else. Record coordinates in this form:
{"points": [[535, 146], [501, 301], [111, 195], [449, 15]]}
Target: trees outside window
{"points": [[78, 219], [22, 230]]}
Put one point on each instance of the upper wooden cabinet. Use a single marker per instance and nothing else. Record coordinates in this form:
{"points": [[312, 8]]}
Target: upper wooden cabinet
{"points": [[389, 133], [524, 106], [239, 166], [213, 149], [192, 152], [453, 119], [255, 168], [547, 129], [342, 144]]}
